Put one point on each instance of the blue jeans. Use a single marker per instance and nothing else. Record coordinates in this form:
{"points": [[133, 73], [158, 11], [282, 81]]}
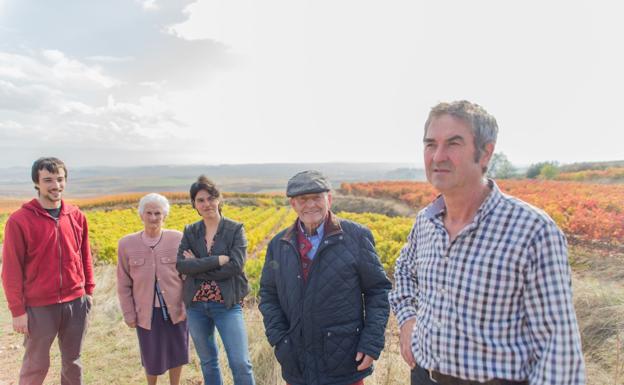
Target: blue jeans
{"points": [[202, 319]]}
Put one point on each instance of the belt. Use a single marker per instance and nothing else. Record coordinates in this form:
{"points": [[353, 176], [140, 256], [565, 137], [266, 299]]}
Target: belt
{"points": [[445, 379]]}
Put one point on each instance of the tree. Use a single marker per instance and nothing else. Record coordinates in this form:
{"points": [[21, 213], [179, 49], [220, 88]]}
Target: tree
{"points": [[550, 171], [500, 167]]}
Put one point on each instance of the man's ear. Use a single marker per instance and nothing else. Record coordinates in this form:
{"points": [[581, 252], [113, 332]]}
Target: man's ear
{"points": [[486, 155]]}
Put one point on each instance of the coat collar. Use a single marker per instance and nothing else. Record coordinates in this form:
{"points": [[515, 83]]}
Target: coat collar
{"points": [[202, 226], [332, 227]]}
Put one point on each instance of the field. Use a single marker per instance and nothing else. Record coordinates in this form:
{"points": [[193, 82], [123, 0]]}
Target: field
{"points": [[111, 352], [585, 212]]}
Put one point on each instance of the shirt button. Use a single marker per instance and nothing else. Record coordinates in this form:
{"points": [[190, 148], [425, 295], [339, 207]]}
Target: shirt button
{"points": [[442, 290]]}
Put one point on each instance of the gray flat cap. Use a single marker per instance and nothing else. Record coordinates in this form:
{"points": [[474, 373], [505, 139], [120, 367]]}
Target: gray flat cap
{"points": [[307, 182]]}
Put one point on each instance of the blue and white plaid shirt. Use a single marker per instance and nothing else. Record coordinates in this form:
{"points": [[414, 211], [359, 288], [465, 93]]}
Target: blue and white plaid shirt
{"points": [[494, 303]]}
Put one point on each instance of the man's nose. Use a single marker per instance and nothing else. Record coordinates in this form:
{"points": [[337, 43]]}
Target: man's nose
{"points": [[440, 154]]}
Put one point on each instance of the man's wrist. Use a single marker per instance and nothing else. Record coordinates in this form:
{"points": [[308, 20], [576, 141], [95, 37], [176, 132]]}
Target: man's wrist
{"points": [[405, 315]]}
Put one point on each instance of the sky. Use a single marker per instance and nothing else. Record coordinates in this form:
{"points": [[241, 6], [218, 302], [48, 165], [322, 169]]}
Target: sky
{"points": [[144, 82]]}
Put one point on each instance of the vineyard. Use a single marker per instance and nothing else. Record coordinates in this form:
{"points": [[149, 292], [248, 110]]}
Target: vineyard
{"points": [[585, 211], [262, 222], [588, 212]]}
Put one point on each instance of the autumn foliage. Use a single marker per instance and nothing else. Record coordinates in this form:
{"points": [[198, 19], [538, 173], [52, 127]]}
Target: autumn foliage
{"points": [[590, 212]]}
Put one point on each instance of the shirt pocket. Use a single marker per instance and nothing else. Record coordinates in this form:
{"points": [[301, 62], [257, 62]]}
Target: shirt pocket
{"points": [[136, 265], [168, 260]]}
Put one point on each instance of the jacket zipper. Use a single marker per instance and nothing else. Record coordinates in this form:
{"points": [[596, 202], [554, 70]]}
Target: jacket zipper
{"points": [[58, 241]]}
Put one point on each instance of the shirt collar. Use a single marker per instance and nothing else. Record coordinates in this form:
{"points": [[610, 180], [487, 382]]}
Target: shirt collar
{"points": [[320, 231], [438, 207]]}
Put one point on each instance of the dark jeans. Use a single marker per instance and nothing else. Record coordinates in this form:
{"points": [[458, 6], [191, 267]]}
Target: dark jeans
{"points": [[67, 320], [420, 376]]}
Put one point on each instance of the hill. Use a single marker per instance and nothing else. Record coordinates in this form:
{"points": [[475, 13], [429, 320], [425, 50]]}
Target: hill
{"points": [[94, 181], [583, 166]]}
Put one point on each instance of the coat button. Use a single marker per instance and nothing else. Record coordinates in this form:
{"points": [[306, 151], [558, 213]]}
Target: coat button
{"points": [[328, 334]]}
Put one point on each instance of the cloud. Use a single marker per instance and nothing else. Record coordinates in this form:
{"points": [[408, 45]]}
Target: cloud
{"points": [[71, 78], [149, 5], [25, 98], [110, 59], [136, 47], [55, 99], [53, 69], [146, 124]]}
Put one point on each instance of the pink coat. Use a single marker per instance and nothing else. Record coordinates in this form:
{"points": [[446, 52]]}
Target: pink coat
{"points": [[137, 268]]}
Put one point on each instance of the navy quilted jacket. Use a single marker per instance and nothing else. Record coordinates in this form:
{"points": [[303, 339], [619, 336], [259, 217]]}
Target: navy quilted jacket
{"points": [[317, 327]]}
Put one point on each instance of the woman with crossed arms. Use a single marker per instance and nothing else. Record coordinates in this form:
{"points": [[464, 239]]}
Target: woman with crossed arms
{"points": [[212, 255]]}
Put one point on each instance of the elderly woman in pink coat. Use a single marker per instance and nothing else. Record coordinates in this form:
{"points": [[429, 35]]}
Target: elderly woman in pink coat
{"points": [[150, 291]]}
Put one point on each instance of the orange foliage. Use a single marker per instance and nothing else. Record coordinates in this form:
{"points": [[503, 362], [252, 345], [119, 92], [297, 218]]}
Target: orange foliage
{"points": [[9, 205], [593, 212]]}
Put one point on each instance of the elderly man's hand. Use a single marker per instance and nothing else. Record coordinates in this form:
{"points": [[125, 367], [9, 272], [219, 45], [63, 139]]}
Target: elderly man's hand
{"points": [[20, 324], [367, 361], [405, 340], [188, 254]]}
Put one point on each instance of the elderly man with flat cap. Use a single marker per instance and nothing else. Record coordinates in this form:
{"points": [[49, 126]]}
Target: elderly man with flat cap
{"points": [[323, 292]]}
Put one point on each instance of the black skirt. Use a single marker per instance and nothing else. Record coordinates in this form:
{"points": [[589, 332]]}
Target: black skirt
{"points": [[163, 347]]}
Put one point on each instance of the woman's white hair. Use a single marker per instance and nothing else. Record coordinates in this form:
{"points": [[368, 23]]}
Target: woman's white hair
{"points": [[154, 198]]}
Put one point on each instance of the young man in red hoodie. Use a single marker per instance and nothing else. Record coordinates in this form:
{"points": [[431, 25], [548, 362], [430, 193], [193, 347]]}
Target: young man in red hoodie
{"points": [[47, 276]]}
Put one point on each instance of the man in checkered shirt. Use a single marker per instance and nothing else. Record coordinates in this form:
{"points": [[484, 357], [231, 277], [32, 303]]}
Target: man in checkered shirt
{"points": [[483, 292]]}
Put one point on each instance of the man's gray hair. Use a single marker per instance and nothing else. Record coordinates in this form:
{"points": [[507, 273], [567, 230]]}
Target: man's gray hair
{"points": [[483, 125], [154, 198]]}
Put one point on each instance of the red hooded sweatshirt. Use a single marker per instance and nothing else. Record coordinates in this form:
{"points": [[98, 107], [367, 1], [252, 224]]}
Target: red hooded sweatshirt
{"points": [[45, 260]]}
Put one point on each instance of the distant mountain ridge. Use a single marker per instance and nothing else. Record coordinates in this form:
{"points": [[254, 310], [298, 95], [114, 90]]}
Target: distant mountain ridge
{"points": [[90, 181], [582, 166]]}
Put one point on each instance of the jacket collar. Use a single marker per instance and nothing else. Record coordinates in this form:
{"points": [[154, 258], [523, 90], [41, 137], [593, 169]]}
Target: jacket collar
{"points": [[202, 226], [332, 227], [35, 206]]}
